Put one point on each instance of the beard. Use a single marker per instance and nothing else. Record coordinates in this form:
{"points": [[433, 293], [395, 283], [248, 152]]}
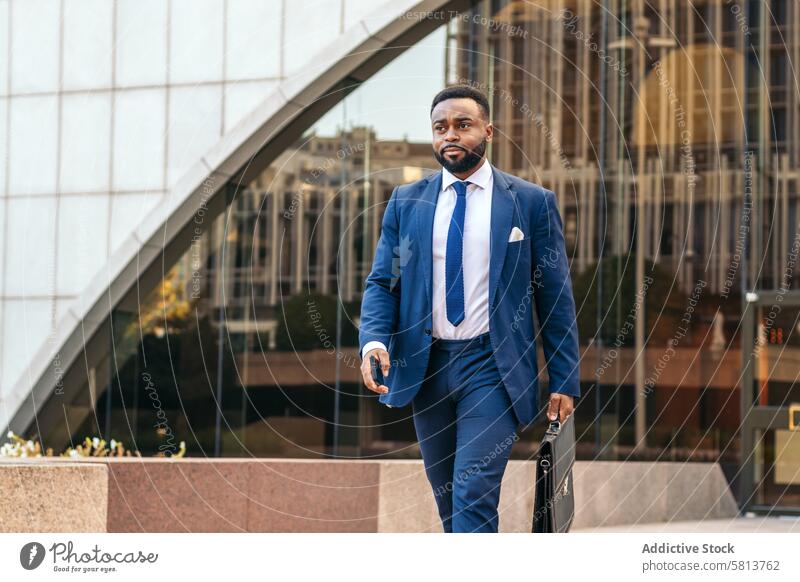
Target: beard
{"points": [[470, 159]]}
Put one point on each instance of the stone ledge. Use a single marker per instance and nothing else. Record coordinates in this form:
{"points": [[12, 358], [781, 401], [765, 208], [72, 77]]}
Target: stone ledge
{"points": [[134, 494], [53, 497]]}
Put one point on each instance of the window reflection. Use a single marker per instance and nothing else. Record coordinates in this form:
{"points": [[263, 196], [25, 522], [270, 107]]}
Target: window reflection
{"points": [[250, 311]]}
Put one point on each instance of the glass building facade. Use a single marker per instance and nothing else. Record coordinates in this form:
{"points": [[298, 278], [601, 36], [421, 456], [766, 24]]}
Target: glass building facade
{"points": [[669, 132]]}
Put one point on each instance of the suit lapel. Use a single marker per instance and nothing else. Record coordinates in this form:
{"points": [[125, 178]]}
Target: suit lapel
{"points": [[426, 206], [503, 201]]}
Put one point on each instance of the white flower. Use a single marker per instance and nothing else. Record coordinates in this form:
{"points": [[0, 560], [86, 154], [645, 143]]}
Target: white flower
{"points": [[95, 442], [10, 434], [113, 444], [73, 453]]}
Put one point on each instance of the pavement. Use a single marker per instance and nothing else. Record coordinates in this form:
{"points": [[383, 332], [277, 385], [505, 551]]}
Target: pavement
{"points": [[755, 524]]}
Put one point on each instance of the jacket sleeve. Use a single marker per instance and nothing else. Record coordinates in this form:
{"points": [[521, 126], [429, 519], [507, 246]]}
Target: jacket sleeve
{"points": [[555, 305], [381, 299]]}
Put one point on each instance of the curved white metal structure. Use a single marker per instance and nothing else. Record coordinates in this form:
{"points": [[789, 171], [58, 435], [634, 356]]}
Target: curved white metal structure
{"points": [[254, 142]]}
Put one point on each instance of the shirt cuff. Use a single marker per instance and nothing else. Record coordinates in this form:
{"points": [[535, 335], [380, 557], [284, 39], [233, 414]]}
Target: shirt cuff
{"points": [[371, 346]]}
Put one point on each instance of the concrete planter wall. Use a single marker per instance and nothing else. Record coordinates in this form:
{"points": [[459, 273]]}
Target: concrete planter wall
{"points": [[287, 495]]}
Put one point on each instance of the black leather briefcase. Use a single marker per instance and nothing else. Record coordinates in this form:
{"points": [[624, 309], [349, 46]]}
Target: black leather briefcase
{"points": [[554, 504]]}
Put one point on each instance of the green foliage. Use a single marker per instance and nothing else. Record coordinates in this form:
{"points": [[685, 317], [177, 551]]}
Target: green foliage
{"points": [[91, 447]]}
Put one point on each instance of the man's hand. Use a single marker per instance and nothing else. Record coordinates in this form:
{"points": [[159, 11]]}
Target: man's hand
{"points": [[366, 369], [561, 406]]}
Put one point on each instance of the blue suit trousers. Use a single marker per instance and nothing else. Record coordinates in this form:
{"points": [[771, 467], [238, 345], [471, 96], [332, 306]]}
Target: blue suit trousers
{"points": [[466, 427]]}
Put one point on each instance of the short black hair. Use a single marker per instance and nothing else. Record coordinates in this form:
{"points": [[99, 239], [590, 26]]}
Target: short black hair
{"points": [[461, 92]]}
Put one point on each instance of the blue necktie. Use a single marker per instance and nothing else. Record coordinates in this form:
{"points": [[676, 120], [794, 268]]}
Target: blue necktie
{"points": [[454, 271]]}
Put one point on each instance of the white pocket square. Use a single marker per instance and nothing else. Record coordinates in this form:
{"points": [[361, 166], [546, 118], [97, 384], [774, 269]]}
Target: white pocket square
{"points": [[516, 234]]}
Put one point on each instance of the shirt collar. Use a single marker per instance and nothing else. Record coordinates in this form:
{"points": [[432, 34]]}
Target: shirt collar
{"points": [[479, 177]]}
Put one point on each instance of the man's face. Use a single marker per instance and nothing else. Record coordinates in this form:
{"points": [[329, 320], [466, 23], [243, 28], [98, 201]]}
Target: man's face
{"points": [[460, 134]]}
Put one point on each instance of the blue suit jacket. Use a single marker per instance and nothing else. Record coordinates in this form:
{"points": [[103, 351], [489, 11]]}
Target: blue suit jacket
{"points": [[523, 275]]}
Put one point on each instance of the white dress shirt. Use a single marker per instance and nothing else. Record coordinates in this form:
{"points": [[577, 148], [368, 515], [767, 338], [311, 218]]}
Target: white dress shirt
{"points": [[477, 234]]}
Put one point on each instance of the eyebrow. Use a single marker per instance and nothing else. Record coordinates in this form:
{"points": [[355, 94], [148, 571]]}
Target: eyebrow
{"points": [[459, 118]]}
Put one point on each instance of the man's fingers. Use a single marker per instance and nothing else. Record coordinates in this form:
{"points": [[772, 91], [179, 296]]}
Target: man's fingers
{"points": [[552, 411], [372, 385], [366, 373], [366, 370], [560, 406], [367, 379], [385, 363]]}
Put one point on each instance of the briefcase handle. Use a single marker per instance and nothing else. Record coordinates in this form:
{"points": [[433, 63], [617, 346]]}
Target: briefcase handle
{"points": [[554, 428]]}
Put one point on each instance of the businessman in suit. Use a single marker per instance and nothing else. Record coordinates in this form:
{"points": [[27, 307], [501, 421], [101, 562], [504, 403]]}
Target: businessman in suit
{"points": [[462, 258]]}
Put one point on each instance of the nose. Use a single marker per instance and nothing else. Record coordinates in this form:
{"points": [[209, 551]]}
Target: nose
{"points": [[451, 135]]}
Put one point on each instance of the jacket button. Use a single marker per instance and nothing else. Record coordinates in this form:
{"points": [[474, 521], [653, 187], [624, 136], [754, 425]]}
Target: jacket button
{"points": [[427, 332]]}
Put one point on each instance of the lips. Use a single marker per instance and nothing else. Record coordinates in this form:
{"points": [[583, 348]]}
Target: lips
{"points": [[453, 149]]}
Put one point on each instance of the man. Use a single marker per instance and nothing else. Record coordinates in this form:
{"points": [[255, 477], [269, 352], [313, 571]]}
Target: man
{"points": [[462, 257]]}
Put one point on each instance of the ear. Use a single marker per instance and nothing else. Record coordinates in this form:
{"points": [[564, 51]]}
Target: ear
{"points": [[489, 132]]}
